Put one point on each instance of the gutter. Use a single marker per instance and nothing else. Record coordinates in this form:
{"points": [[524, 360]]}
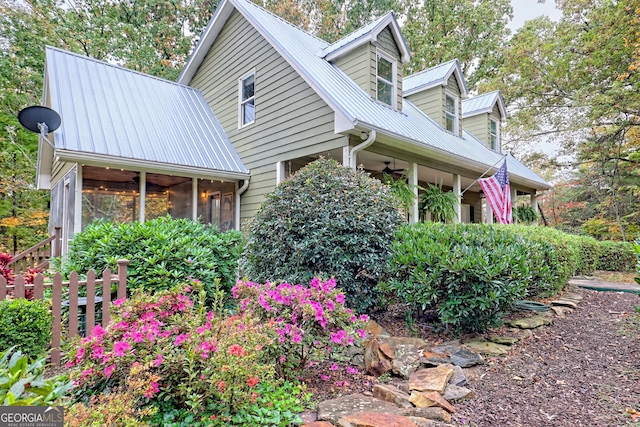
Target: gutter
{"points": [[241, 190], [354, 151]]}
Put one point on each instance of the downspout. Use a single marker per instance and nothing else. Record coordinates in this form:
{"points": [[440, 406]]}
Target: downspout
{"points": [[354, 151], [239, 193]]}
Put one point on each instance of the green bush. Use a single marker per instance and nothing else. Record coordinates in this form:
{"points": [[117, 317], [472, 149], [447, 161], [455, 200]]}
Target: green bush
{"points": [[161, 252], [26, 325], [616, 256], [524, 214], [636, 248], [470, 273], [22, 382], [326, 220]]}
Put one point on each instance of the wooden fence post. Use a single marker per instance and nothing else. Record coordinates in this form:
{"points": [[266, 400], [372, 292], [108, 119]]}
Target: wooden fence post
{"points": [[90, 310], [18, 287], [3, 288], [106, 297], [57, 319], [122, 278], [73, 304]]}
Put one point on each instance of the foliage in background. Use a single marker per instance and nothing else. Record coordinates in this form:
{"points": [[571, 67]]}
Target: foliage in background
{"points": [[25, 325], [401, 189], [312, 322], [161, 252], [327, 220], [469, 273], [441, 204], [576, 83], [524, 214], [22, 381], [181, 356], [636, 247]]}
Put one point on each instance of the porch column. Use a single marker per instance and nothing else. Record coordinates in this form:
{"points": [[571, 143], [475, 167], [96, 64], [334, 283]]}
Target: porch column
{"points": [[345, 156], [514, 195], [143, 195], [194, 198], [279, 172], [414, 214], [534, 201], [77, 214], [488, 213], [457, 190]]}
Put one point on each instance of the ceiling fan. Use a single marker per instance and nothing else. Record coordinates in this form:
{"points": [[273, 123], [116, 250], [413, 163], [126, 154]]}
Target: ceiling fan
{"points": [[387, 170]]}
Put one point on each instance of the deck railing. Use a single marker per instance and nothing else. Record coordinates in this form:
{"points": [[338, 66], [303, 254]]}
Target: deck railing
{"points": [[38, 255], [73, 303]]}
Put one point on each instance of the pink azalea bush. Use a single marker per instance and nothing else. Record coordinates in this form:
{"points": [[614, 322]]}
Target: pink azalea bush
{"points": [[309, 322], [186, 355]]}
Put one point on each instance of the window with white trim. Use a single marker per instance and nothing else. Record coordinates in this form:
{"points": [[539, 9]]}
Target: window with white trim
{"points": [[386, 80], [451, 114], [494, 135], [247, 100]]}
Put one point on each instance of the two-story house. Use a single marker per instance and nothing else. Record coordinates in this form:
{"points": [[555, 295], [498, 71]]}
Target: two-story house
{"points": [[257, 100]]}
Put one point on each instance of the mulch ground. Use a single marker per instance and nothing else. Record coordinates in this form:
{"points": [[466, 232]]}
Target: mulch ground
{"points": [[583, 370]]}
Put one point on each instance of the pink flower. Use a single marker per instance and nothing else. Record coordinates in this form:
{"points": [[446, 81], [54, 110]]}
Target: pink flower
{"points": [[98, 353], [118, 302], [252, 381], [237, 350], [80, 354], [334, 367], [120, 347], [109, 370], [152, 390], [362, 333], [364, 318], [351, 370], [158, 360], [180, 339], [324, 377], [340, 299], [97, 331], [87, 373]]}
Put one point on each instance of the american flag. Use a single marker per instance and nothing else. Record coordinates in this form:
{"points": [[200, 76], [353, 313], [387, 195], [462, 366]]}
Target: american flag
{"points": [[498, 193]]}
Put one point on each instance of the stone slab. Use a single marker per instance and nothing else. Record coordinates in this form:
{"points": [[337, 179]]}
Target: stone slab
{"points": [[487, 347], [431, 379], [455, 393], [334, 409], [375, 419], [390, 393], [427, 399], [466, 358], [434, 413]]}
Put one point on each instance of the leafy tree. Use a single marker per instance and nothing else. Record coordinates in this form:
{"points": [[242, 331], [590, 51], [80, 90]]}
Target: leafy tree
{"points": [[474, 32], [576, 82]]}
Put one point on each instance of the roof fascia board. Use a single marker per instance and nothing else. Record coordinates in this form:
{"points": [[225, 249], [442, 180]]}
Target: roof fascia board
{"points": [[208, 37], [372, 36], [454, 68], [135, 164]]}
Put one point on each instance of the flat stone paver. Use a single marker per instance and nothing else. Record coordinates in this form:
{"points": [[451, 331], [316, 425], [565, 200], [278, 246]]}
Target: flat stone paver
{"points": [[598, 285]]}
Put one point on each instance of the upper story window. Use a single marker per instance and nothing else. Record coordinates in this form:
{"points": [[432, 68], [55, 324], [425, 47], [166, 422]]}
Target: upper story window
{"points": [[247, 100], [451, 114], [386, 80], [494, 135]]}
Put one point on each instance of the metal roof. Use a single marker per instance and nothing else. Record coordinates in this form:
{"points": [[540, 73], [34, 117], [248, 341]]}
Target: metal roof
{"points": [[365, 34], [352, 104], [122, 114], [434, 76], [483, 104]]}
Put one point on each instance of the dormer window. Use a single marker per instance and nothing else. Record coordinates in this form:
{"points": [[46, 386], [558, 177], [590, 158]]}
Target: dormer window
{"points": [[386, 80], [451, 114], [247, 100], [494, 135]]}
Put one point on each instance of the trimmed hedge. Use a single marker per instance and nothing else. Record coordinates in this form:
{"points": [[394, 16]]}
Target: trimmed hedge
{"points": [[469, 273], [25, 324], [161, 252], [326, 220], [616, 256]]}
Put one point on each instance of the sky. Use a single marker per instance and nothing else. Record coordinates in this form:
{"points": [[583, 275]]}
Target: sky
{"points": [[524, 10]]}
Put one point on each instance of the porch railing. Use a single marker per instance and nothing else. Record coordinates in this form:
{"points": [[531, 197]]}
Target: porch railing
{"points": [[58, 287], [38, 255]]}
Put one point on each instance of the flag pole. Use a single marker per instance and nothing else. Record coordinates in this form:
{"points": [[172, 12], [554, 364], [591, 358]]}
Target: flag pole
{"points": [[485, 172]]}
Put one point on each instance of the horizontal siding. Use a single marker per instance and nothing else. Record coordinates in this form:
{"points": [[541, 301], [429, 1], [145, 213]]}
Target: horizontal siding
{"points": [[356, 65], [478, 126], [431, 102], [291, 119], [59, 170]]}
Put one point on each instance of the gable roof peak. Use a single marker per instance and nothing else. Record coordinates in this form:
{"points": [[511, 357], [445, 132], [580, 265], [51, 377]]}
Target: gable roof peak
{"points": [[434, 76], [367, 34], [484, 103]]}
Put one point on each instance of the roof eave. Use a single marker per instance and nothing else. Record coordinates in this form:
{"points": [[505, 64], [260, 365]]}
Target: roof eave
{"points": [[137, 164]]}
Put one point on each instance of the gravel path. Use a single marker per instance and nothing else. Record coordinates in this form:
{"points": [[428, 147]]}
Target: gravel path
{"points": [[583, 370]]}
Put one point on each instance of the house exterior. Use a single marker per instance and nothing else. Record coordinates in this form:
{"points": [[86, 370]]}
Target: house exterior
{"points": [[257, 100]]}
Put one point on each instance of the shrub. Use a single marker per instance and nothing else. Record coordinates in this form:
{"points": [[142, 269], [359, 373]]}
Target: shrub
{"points": [[311, 322], [22, 382], [185, 358], [10, 277], [636, 248], [326, 220], [26, 325], [616, 256], [469, 273], [161, 252]]}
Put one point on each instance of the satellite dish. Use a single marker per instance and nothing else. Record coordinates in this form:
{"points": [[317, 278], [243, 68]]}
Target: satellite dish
{"points": [[39, 119]]}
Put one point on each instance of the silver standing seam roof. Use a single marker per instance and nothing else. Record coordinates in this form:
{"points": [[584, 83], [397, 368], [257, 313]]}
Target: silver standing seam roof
{"points": [[350, 102], [113, 111], [434, 76], [483, 104]]}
